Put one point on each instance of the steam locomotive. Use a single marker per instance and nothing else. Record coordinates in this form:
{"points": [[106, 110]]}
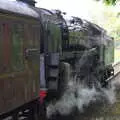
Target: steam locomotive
{"points": [[76, 49], [39, 53]]}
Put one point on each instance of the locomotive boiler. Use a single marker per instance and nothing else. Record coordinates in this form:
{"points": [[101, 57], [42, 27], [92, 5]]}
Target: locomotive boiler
{"points": [[94, 51]]}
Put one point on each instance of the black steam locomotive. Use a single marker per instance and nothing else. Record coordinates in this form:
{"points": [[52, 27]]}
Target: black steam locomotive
{"points": [[75, 48], [40, 52]]}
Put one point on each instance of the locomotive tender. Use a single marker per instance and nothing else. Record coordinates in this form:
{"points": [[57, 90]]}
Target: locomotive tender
{"points": [[19, 61], [38, 48]]}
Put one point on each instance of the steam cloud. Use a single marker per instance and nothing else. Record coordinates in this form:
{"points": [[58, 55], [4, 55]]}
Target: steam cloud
{"points": [[77, 96]]}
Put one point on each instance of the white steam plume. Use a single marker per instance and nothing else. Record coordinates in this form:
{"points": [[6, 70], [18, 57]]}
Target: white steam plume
{"points": [[77, 96]]}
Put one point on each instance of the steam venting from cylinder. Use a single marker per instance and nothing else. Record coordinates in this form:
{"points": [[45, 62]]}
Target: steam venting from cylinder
{"points": [[30, 2]]}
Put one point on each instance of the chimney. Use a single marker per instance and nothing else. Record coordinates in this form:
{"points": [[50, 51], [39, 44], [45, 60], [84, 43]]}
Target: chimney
{"points": [[30, 2]]}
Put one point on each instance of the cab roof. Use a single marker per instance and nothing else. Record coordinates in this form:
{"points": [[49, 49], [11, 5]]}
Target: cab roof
{"points": [[17, 7]]}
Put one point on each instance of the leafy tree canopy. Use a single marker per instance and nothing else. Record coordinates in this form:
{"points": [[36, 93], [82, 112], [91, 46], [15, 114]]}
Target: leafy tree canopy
{"points": [[110, 2]]}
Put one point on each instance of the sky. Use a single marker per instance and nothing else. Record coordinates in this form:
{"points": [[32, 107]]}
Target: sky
{"points": [[80, 8], [85, 9]]}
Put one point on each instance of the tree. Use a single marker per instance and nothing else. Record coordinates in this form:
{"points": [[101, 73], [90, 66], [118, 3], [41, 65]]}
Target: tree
{"points": [[110, 2]]}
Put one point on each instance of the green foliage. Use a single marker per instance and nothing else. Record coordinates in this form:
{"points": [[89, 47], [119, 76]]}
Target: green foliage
{"points": [[110, 2], [108, 17]]}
